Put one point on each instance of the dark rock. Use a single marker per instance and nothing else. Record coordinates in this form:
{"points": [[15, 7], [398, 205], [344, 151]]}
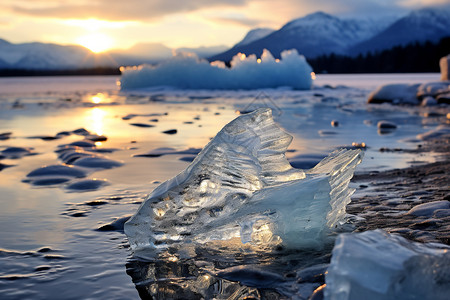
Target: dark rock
{"points": [[170, 131]]}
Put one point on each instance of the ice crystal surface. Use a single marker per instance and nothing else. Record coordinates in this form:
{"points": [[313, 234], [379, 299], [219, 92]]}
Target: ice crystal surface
{"points": [[242, 186], [375, 265]]}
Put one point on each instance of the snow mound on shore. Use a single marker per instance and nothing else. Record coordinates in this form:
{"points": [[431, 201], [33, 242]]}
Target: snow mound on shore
{"points": [[187, 71]]}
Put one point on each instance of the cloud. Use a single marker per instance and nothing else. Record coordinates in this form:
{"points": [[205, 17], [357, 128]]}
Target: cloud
{"points": [[241, 21], [256, 10], [117, 10]]}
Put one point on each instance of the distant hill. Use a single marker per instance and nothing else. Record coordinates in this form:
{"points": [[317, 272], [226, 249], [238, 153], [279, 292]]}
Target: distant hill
{"points": [[320, 34], [49, 56], [44, 56]]}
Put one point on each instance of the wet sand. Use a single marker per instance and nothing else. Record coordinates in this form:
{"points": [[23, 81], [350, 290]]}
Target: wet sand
{"points": [[384, 199]]}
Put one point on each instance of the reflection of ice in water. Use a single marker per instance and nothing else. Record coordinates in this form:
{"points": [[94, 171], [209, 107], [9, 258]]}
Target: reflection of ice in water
{"points": [[241, 186]]}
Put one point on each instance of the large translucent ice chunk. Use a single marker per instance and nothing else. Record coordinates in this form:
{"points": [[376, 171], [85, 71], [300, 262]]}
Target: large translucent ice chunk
{"points": [[377, 266], [242, 186]]}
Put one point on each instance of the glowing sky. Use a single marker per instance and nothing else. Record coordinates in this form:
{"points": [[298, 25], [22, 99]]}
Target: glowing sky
{"points": [[105, 24]]}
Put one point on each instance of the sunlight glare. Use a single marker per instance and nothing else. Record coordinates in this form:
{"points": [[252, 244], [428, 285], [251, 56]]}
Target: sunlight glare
{"points": [[96, 99], [96, 42], [95, 120]]}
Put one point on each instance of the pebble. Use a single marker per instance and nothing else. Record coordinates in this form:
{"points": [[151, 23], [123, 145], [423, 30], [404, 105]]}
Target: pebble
{"points": [[57, 170], [116, 225], [87, 185], [143, 125], [96, 138], [97, 162], [5, 136], [429, 101], [427, 209], [326, 132], [167, 150], [82, 144], [170, 131], [80, 131], [187, 158], [16, 152], [386, 125]]}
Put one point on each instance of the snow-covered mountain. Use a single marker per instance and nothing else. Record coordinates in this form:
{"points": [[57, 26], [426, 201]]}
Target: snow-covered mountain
{"points": [[204, 52], [255, 34], [422, 25], [320, 33], [313, 35]]}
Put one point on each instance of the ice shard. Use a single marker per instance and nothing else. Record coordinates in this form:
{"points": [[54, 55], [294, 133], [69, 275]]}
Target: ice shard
{"points": [[375, 265], [242, 186]]}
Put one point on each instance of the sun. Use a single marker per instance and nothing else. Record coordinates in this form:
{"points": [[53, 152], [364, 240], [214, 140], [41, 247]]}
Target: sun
{"points": [[96, 42]]}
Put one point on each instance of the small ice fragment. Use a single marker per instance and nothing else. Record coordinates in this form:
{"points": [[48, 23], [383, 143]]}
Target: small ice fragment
{"points": [[375, 265], [241, 185]]}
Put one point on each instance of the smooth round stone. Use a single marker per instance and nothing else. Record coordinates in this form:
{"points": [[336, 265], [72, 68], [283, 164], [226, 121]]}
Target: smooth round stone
{"points": [[81, 131], [97, 162], [386, 125], [187, 158], [87, 185], [427, 209], [170, 131], [429, 101], [96, 138], [57, 170], [143, 125], [16, 152], [83, 144], [49, 181], [116, 225]]}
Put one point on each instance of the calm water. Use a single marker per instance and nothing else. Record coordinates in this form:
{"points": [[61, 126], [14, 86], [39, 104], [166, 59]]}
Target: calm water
{"points": [[51, 247]]}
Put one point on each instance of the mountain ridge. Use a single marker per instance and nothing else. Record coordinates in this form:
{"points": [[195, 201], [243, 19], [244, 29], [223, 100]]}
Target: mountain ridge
{"points": [[320, 33]]}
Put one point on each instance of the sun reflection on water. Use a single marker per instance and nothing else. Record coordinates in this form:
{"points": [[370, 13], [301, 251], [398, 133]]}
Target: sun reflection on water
{"points": [[95, 120], [98, 98]]}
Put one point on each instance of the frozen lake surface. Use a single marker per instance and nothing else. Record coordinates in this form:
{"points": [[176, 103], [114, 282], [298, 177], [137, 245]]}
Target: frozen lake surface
{"points": [[54, 242]]}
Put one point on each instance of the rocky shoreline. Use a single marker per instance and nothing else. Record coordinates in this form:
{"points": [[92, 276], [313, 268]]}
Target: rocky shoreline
{"points": [[413, 202]]}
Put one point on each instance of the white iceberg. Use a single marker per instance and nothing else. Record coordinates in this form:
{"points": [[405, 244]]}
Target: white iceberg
{"points": [[246, 72], [375, 265], [242, 186]]}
